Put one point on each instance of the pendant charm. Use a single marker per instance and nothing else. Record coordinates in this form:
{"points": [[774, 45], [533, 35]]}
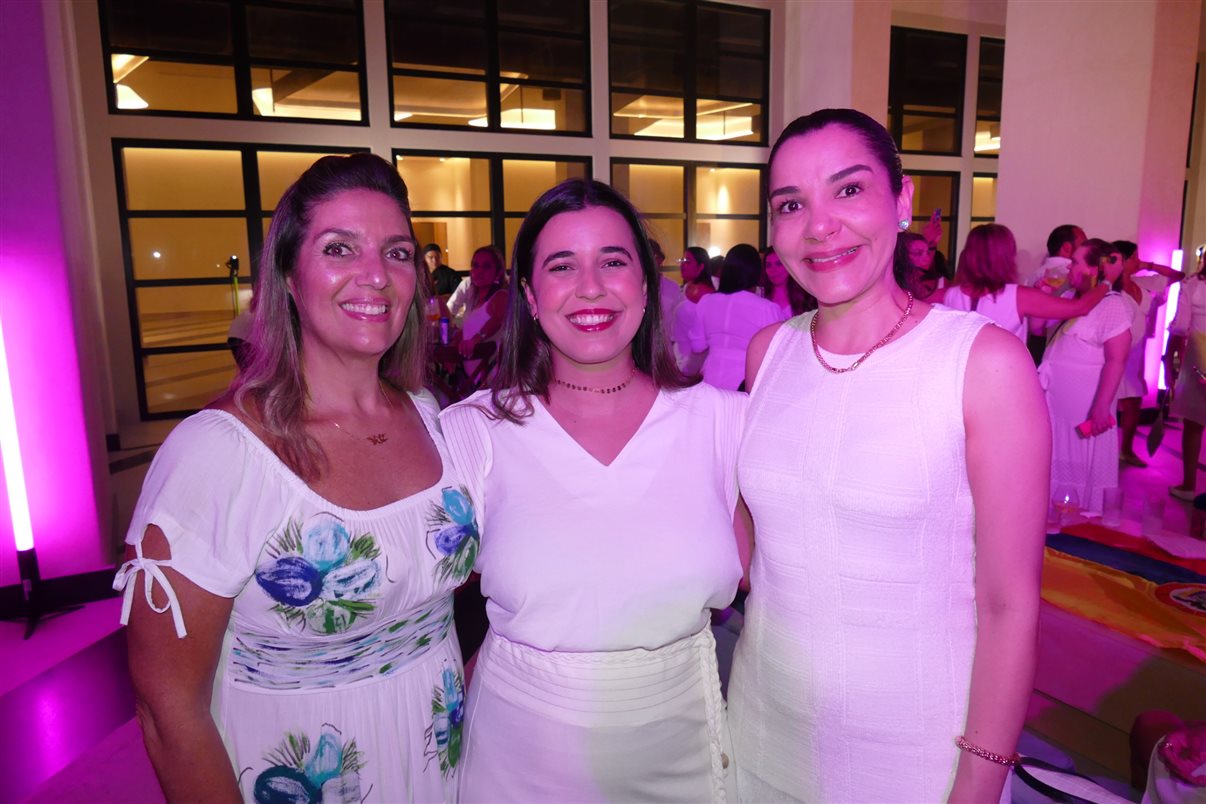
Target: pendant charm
{"points": [[377, 439]]}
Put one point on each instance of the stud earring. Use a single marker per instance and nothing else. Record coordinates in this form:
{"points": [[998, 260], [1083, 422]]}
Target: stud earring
{"points": [[904, 224]]}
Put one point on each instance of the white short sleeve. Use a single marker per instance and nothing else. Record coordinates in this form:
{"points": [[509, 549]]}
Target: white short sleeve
{"points": [[1112, 317], [730, 426], [466, 434], [202, 491]]}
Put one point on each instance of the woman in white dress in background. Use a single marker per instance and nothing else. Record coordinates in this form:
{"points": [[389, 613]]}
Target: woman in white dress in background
{"points": [[608, 486], [1080, 373], [1188, 332], [895, 464]]}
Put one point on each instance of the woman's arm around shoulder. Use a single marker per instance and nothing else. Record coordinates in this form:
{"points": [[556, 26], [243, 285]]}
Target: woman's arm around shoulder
{"points": [[756, 352], [1008, 465], [1036, 304]]}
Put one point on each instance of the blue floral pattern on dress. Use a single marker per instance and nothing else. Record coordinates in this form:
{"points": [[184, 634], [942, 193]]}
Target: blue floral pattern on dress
{"points": [[447, 720], [301, 775], [452, 528], [321, 578]]}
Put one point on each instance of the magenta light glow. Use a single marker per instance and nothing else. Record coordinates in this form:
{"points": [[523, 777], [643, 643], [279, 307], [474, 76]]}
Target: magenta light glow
{"points": [[10, 451], [1174, 295]]}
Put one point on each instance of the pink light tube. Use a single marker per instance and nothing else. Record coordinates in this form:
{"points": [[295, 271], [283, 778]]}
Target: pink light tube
{"points": [[10, 451]]}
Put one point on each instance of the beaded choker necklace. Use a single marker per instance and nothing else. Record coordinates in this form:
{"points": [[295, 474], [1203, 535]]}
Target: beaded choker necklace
{"points": [[612, 390], [812, 332]]}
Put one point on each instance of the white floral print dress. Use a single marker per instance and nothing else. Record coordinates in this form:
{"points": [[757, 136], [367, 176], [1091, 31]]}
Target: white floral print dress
{"points": [[340, 677]]}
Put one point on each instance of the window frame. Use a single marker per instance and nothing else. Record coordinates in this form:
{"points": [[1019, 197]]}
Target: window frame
{"points": [[950, 217], [690, 214], [252, 214], [979, 85], [896, 107], [690, 96], [492, 80], [241, 62]]}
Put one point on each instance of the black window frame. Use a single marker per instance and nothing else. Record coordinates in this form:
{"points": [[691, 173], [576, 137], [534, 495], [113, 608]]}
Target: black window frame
{"points": [[896, 78], [241, 62], [252, 213], [950, 217], [497, 212], [690, 214], [979, 85], [690, 96], [975, 221], [492, 80]]}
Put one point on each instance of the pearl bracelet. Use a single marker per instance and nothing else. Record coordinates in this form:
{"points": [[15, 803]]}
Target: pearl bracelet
{"points": [[984, 753]]}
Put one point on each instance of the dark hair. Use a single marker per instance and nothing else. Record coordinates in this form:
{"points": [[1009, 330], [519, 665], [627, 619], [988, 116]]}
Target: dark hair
{"points": [[525, 356], [430, 247], [704, 277], [1126, 248], [742, 269], [1061, 235], [800, 299], [1096, 252], [875, 137], [273, 382]]}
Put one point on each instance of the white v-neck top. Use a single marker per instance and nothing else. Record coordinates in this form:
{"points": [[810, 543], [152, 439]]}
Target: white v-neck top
{"points": [[578, 556]]}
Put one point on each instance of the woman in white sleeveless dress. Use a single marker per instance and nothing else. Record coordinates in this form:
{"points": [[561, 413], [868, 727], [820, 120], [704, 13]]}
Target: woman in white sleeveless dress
{"points": [[895, 464], [306, 532], [607, 484], [986, 282]]}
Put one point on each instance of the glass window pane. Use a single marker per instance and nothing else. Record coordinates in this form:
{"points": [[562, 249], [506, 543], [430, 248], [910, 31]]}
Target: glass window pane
{"points": [[647, 67], [448, 47], [511, 229], [663, 21], [173, 86], [992, 74], [721, 234], [446, 184], [304, 92], [651, 188], [182, 179], [524, 180], [668, 232], [984, 197], [460, 237], [191, 26], [187, 248], [187, 381], [185, 316], [728, 120], [988, 138], [727, 191], [288, 34], [731, 30], [439, 101], [931, 134], [932, 192], [468, 11], [646, 115], [562, 16], [279, 169], [729, 76], [542, 108], [540, 57]]}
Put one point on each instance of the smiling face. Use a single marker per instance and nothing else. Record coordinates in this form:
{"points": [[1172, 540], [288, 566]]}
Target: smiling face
{"points": [[775, 270], [834, 215], [354, 277], [587, 287], [920, 255]]}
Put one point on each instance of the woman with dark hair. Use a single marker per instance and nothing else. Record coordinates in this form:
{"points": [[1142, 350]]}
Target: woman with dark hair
{"points": [[485, 307], [986, 282], [601, 557], [1080, 372], [725, 321], [778, 286], [920, 268], [306, 532], [895, 464], [1140, 293], [697, 279]]}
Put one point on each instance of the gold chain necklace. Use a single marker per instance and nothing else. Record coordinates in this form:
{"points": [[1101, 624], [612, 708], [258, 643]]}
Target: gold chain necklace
{"points": [[611, 390], [376, 439], [812, 332]]}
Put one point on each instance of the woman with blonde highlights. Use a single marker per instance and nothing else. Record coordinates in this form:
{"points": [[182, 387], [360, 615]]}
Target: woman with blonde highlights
{"points": [[305, 532]]}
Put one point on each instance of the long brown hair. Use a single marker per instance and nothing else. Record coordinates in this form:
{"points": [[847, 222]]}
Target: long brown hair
{"points": [[525, 366], [989, 260], [272, 389]]}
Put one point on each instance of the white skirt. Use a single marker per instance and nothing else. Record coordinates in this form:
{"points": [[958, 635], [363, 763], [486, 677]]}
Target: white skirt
{"points": [[634, 725]]}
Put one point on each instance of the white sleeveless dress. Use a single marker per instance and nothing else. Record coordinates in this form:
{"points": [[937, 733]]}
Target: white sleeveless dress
{"points": [[851, 678]]}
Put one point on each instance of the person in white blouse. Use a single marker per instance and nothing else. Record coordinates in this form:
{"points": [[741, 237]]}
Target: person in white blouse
{"points": [[725, 322], [607, 483], [1188, 333]]}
